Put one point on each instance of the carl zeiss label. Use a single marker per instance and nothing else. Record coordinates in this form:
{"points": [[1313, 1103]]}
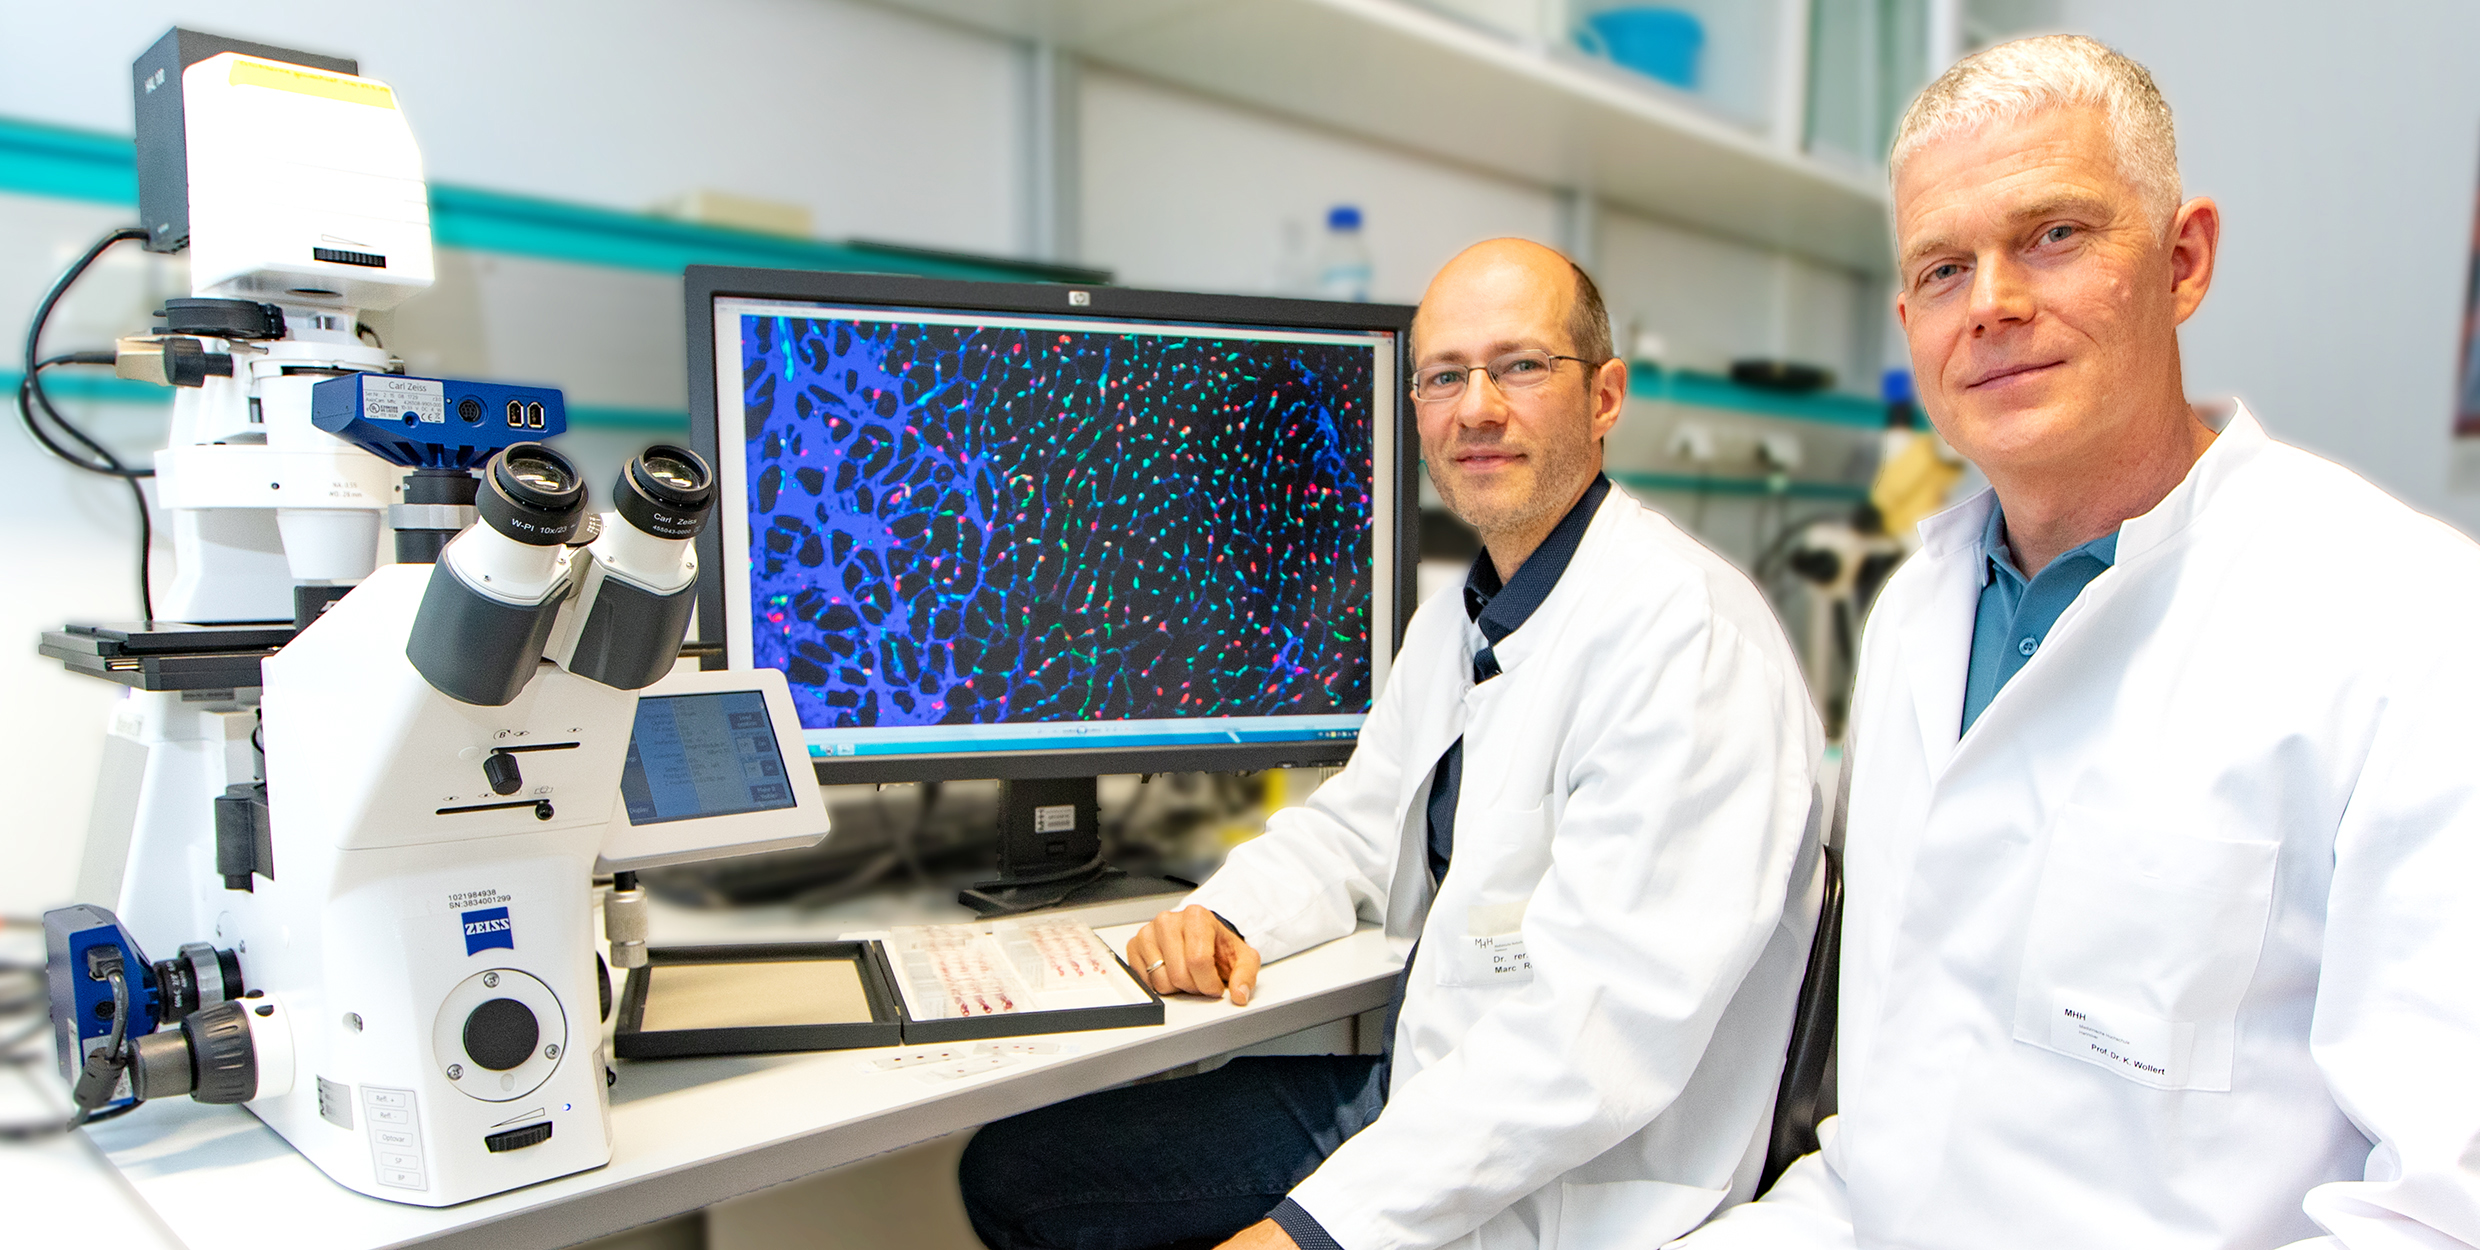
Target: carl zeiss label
{"points": [[488, 928]]}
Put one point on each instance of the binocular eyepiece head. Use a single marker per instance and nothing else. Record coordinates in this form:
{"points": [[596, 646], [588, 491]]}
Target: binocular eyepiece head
{"points": [[497, 591], [666, 491], [532, 495]]}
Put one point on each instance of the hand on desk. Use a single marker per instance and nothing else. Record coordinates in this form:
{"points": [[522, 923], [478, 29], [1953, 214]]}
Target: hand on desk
{"points": [[1262, 1235], [1190, 952]]}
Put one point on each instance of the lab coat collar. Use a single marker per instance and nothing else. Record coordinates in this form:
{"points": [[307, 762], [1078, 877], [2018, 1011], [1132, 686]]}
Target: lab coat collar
{"points": [[1936, 638], [1958, 528], [1571, 545], [2239, 440], [1501, 609]]}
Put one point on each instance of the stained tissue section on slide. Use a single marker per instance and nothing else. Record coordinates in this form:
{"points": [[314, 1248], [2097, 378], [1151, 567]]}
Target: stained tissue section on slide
{"points": [[976, 525]]}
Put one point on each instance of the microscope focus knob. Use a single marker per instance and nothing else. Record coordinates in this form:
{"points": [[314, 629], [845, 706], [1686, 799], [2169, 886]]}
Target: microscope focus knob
{"points": [[501, 1033], [223, 1059], [500, 769]]}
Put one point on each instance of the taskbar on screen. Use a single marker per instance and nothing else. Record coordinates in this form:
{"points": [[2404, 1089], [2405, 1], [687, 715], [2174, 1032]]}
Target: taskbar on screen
{"points": [[980, 739]]}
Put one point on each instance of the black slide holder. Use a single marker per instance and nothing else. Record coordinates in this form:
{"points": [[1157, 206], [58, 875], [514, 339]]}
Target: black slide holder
{"points": [[631, 1040]]}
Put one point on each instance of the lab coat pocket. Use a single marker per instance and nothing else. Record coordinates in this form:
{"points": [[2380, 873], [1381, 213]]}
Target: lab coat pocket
{"points": [[2140, 947], [1500, 856], [1630, 1213]]}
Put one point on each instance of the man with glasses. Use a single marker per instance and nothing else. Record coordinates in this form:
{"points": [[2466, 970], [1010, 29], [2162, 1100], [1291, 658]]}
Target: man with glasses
{"points": [[1581, 804]]}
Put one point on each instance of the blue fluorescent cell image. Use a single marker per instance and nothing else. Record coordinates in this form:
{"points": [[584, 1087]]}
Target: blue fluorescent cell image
{"points": [[980, 524]]}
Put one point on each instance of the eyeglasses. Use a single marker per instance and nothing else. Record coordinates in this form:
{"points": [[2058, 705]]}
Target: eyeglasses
{"points": [[1515, 371]]}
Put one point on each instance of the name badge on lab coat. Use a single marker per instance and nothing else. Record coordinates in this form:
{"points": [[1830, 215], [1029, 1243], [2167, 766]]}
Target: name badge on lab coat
{"points": [[2142, 1048], [1492, 952]]}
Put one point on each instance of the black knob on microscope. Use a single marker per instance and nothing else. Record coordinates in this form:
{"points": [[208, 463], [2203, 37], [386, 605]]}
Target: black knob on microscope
{"points": [[500, 769], [501, 1033], [223, 1063]]}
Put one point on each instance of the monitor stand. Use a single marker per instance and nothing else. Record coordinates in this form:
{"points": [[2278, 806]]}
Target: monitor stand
{"points": [[1050, 852]]}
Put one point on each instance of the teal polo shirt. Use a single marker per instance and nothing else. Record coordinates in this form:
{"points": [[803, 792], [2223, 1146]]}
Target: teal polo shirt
{"points": [[2016, 612]]}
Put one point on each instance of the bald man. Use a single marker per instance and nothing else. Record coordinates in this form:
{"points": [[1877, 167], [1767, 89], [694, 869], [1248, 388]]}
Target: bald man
{"points": [[1581, 803]]}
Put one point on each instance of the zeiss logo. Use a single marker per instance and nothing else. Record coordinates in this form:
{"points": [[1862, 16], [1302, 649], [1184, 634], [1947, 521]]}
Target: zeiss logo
{"points": [[488, 928]]}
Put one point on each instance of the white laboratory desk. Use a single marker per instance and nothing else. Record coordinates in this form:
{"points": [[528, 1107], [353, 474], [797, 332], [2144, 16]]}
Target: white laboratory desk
{"points": [[685, 1132]]}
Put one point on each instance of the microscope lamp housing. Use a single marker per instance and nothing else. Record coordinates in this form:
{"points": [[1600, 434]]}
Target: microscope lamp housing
{"points": [[304, 186]]}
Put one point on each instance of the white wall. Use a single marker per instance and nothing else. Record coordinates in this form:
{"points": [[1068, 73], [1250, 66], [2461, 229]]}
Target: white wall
{"points": [[2342, 144], [1187, 193], [1710, 298]]}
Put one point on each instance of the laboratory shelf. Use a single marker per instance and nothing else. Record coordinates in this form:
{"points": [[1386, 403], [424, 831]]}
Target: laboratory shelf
{"points": [[37, 159], [61, 163], [1386, 71], [1701, 390], [1686, 484], [1686, 389]]}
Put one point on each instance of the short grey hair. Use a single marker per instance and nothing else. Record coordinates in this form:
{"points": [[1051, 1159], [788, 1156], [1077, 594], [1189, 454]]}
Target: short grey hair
{"points": [[2027, 76]]}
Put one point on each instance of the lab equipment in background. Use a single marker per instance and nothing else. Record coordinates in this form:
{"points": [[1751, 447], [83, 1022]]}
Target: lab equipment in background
{"points": [[939, 836], [1788, 376], [1841, 563], [1041, 533], [1344, 269], [1658, 42], [1917, 472]]}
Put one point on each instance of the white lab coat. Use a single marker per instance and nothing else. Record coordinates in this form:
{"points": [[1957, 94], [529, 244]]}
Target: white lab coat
{"points": [[2174, 948], [1602, 992]]}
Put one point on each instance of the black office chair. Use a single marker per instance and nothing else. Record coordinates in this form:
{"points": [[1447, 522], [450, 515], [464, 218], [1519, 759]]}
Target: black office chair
{"points": [[1796, 1102]]}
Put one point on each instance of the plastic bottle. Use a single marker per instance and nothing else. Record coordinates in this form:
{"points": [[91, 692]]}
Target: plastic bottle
{"points": [[1343, 257]]}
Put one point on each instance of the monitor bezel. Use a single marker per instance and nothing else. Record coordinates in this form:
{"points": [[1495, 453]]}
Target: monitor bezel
{"points": [[705, 284]]}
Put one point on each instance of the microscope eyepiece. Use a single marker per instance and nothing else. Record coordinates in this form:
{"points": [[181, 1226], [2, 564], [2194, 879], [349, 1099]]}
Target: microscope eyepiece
{"points": [[665, 491], [533, 495]]}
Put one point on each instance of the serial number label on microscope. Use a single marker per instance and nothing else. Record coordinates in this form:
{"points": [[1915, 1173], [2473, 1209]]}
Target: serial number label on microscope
{"points": [[387, 398], [463, 899]]}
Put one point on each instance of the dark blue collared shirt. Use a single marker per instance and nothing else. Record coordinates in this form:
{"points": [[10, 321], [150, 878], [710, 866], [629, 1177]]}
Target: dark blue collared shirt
{"points": [[2016, 612], [1498, 610]]}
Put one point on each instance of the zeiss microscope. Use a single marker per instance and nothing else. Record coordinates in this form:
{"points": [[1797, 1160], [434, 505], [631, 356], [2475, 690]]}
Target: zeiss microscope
{"points": [[375, 863]]}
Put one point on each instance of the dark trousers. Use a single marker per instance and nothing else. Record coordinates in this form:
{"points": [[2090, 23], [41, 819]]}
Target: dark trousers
{"points": [[1167, 1162]]}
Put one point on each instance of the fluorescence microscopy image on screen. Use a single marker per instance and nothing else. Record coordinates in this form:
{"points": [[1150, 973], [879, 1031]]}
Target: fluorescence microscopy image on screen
{"points": [[990, 524]]}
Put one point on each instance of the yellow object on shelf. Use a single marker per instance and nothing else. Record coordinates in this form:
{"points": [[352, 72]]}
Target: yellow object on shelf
{"points": [[739, 212], [1913, 483]]}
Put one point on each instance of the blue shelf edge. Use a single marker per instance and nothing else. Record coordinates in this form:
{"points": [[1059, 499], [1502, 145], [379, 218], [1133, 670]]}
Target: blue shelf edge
{"points": [[1684, 484], [62, 163], [1703, 390]]}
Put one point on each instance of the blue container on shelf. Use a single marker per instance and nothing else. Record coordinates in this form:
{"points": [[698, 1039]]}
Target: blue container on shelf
{"points": [[1651, 40]]}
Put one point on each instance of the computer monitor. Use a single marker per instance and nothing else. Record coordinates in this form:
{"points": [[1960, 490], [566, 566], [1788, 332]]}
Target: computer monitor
{"points": [[1020, 531]]}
